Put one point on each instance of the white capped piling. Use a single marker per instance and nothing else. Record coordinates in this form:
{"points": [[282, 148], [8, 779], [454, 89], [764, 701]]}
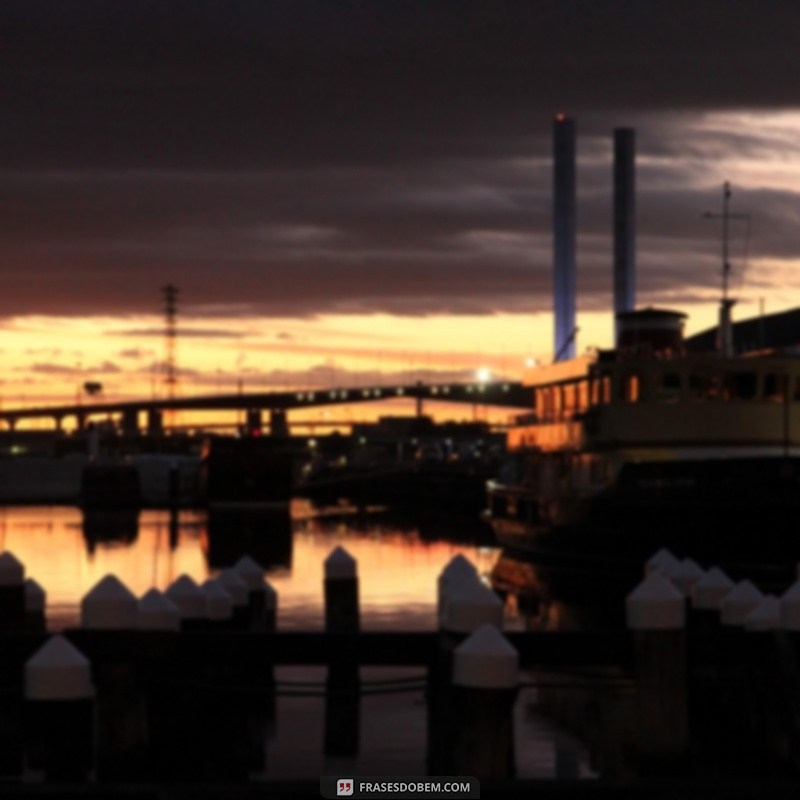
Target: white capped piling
{"points": [[662, 561], [110, 611], [655, 612], [686, 576], [59, 712], [12, 594], [12, 620], [236, 587], [704, 616], [739, 602], [458, 567], [35, 607], [158, 613], [190, 601], [468, 605], [252, 573], [341, 592], [711, 590], [790, 608], [655, 604], [342, 696], [766, 616], [219, 605], [110, 605], [485, 682]]}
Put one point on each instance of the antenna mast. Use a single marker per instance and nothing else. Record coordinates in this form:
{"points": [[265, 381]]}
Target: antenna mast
{"points": [[170, 293], [725, 330]]}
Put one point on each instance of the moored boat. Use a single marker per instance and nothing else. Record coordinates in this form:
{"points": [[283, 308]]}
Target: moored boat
{"points": [[653, 444]]}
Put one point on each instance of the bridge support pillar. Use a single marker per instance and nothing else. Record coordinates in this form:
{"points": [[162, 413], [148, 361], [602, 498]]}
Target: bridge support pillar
{"points": [[58, 422], [155, 422], [253, 422], [420, 386], [278, 422], [80, 421], [129, 423]]}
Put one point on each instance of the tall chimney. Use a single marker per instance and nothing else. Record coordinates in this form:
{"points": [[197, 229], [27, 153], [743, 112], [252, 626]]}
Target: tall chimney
{"points": [[624, 223], [564, 236]]}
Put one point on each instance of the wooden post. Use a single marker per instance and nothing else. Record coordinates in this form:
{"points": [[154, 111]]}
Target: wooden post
{"points": [[233, 583], [262, 607], [341, 593], [252, 573], [12, 620], [686, 576], [12, 594], [59, 713], [163, 680], [190, 602], [270, 607], [457, 568], [158, 613], [466, 605], [739, 602], [35, 604], [662, 561], [656, 615], [121, 702], [764, 617], [707, 598], [485, 682], [343, 687], [219, 606]]}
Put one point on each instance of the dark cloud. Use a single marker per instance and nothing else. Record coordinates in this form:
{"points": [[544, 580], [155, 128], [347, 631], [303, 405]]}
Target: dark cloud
{"points": [[183, 333], [46, 368], [296, 159]]}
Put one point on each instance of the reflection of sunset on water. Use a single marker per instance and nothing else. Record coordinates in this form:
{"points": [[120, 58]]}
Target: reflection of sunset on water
{"points": [[397, 570]]}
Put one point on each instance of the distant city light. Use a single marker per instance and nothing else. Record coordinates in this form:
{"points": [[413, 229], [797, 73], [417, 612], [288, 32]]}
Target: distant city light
{"points": [[530, 362], [483, 374]]}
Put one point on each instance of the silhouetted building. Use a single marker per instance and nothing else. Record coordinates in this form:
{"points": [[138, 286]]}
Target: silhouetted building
{"points": [[770, 331]]}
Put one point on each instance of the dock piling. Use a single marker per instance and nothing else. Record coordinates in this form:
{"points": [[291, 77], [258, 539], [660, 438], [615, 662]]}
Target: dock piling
{"points": [[485, 683], [343, 685], [59, 729], [655, 612]]}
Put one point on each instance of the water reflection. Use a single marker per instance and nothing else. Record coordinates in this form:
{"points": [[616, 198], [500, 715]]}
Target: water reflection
{"points": [[264, 534], [106, 526], [553, 595], [68, 553]]}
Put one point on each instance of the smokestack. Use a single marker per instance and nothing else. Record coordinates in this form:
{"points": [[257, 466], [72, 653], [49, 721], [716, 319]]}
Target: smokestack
{"points": [[624, 223], [564, 236]]}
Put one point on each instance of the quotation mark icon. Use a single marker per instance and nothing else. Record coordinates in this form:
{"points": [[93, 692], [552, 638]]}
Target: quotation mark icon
{"points": [[344, 787]]}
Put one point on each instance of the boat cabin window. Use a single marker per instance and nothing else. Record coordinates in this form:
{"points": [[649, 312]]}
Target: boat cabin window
{"points": [[775, 388], [630, 388], [669, 387], [568, 394], [558, 400], [739, 385], [704, 387], [600, 390], [582, 390]]}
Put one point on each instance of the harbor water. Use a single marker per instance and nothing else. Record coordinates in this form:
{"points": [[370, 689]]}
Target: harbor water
{"points": [[398, 565]]}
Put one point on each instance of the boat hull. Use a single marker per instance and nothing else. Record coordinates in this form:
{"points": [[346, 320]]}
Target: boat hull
{"points": [[743, 514]]}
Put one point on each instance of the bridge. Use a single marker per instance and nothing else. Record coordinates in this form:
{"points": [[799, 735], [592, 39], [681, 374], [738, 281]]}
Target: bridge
{"points": [[275, 404]]}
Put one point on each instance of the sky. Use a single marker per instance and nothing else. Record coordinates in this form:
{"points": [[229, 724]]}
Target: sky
{"points": [[360, 192]]}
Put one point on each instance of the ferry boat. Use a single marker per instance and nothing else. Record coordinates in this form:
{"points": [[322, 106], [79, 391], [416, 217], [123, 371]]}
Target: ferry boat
{"points": [[652, 444]]}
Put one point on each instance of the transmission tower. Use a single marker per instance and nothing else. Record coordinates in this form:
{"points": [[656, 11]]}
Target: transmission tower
{"points": [[170, 293]]}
